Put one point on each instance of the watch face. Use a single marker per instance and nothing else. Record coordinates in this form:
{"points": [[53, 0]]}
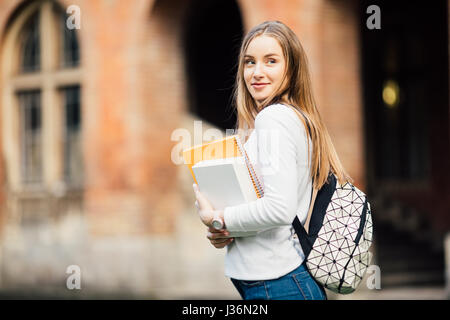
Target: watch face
{"points": [[217, 224]]}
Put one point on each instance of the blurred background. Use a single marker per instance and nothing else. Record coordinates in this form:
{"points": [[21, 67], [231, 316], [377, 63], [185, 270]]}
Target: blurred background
{"points": [[87, 122]]}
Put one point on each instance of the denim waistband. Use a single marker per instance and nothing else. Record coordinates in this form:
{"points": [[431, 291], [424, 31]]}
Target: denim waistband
{"points": [[299, 269]]}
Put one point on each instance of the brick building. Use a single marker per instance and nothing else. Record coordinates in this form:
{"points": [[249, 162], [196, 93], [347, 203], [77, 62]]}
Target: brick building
{"points": [[88, 118]]}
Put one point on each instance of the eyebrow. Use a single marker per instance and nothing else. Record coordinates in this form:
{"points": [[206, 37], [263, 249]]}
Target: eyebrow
{"points": [[267, 55]]}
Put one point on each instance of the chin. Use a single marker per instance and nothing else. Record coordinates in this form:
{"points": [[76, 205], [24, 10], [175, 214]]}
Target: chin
{"points": [[260, 98]]}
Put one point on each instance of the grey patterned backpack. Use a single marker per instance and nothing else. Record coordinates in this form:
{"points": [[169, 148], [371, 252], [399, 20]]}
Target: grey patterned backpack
{"points": [[337, 243]]}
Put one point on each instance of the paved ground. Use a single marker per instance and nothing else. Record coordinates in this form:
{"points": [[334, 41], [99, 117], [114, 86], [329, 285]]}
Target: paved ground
{"points": [[405, 293]]}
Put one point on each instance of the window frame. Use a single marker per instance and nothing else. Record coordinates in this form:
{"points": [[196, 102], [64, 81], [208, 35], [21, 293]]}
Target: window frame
{"points": [[48, 80]]}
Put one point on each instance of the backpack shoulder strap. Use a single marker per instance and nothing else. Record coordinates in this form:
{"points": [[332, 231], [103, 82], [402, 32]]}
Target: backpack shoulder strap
{"points": [[311, 206], [302, 231]]}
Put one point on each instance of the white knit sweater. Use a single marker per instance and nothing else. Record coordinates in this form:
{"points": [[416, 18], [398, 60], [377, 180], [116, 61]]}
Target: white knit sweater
{"points": [[278, 149]]}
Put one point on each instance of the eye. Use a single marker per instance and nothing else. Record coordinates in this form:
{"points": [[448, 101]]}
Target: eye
{"points": [[272, 61], [248, 62]]}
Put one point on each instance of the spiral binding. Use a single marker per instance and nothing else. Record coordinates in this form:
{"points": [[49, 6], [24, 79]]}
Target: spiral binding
{"points": [[256, 184]]}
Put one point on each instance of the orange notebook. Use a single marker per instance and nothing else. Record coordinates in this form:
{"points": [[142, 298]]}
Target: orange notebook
{"points": [[228, 147]]}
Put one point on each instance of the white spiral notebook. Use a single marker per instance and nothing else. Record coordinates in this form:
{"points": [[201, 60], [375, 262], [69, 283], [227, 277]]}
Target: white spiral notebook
{"points": [[224, 174]]}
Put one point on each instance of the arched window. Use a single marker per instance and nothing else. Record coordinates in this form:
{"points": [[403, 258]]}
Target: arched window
{"points": [[73, 171], [41, 70], [31, 135], [30, 48], [70, 49]]}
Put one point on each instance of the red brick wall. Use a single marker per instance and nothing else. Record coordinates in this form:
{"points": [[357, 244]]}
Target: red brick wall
{"points": [[133, 94], [136, 81]]}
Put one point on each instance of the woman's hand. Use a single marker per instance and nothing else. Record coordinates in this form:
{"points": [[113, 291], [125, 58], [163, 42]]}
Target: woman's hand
{"points": [[218, 237], [205, 209]]}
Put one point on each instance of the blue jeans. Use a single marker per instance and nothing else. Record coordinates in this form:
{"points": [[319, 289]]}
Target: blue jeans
{"points": [[296, 285]]}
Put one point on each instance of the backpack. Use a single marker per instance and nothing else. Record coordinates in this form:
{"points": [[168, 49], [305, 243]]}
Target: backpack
{"points": [[339, 236]]}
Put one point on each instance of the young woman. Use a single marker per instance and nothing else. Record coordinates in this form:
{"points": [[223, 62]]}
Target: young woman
{"points": [[274, 99]]}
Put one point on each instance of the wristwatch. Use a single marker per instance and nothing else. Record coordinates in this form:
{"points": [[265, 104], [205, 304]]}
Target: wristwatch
{"points": [[217, 222]]}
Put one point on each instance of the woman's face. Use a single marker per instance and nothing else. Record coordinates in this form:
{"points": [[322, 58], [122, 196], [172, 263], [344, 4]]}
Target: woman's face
{"points": [[264, 66]]}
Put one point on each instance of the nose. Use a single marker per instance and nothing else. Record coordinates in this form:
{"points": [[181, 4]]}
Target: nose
{"points": [[258, 72]]}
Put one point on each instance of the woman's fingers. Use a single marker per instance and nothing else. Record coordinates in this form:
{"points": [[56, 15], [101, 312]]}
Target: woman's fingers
{"points": [[223, 244], [219, 241], [214, 230], [219, 238], [217, 235]]}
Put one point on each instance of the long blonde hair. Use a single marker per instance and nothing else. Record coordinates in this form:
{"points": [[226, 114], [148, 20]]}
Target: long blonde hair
{"points": [[295, 92]]}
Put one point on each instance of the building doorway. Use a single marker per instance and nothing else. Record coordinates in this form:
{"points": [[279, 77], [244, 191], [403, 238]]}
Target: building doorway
{"points": [[211, 43], [405, 95]]}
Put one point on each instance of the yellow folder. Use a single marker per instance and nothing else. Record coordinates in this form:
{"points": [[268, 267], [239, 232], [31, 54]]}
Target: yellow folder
{"points": [[228, 147]]}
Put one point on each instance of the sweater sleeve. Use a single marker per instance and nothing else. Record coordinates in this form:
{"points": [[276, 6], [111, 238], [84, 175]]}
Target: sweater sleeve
{"points": [[276, 135]]}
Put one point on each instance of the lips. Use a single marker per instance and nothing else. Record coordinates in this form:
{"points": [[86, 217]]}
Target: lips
{"points": [[259, 85]]}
